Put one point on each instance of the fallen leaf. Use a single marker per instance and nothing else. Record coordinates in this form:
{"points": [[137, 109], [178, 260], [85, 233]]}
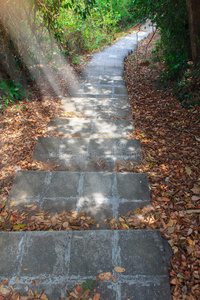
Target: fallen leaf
{"points": [[125, 226], [105, 276], [33, 283], [65, 225], [5, 282], [53, 221], [78, 289], [196, 189], [4, 291], [171, 223], [173, 281], [189, 231], [119, 270], [19, 226], [137, 211], [114, 278], [164, 199], [195, 198], [188, 171], [33, 207], [30, 292], [193, 211], [72, 294], [97, 297]]}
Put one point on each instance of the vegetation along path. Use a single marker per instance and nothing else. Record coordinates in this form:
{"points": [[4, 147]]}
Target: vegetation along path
{"points": [[129, 264]]}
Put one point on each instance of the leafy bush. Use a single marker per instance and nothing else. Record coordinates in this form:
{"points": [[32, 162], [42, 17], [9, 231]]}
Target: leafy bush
{"points": [[10, 92], [79, 33], [172, 20]]}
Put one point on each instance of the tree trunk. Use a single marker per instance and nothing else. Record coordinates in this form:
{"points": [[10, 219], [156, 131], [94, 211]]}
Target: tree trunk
{"points": [[193, 7]]}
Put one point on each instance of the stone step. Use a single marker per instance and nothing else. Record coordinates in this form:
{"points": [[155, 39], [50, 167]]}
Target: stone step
{"points": [[100, 89], [58, 261], [87, 154], [97, 107], [115, 81], [102, 195], [92, 128]]}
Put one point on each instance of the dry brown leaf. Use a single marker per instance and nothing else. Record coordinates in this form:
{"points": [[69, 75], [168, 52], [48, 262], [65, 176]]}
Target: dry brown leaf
{"points": [[114, 278], [196, 189], [137, 211], [30, 292], [173, 281], [171, 223], [193, 211], [97, 297], [4, 291], [164, 199], [195, 198], [33, 207], [105, 276], [119, 270], [78, 289], [53, 221], [72, 294], [33, 283], [188, 171], [65, 225]]}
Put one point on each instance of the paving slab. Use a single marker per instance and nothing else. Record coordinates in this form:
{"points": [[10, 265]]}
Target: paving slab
{"points": [[87, 154], [100, 107], [92, 128], [101, 194], [58, 261]]}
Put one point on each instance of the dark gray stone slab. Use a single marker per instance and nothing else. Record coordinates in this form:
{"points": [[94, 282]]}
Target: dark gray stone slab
{"points": [[27, 188], [99, 185], [74, 126], [62, 185], [10, 253], [85, 154], [113, 128], [109, 112], [144, 248], [82, 127], [134, 186], [91, 253], [101, 194], [100, 110], [156, 289], [44, 254]]}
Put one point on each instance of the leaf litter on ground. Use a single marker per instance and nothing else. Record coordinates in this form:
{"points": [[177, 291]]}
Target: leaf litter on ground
{"points": [[169, 136]]}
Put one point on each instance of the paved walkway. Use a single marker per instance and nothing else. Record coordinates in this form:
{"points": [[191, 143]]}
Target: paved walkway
{"points": [[86, 180]]}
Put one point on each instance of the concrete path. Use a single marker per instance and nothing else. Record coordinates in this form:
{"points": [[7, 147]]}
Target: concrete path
{"points": [[86, 180]]}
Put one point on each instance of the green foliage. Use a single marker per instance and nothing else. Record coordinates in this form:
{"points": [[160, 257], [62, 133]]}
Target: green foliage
{"points": [[81, 32], [89, 285], [172, 20], [10, 92], [187, 89]]}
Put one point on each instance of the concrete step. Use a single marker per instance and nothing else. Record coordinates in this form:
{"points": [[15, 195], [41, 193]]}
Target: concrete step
{"points": [[97, 107], [58, 261], [100, 89], [102, 195], [92, 128], [86, 154]]}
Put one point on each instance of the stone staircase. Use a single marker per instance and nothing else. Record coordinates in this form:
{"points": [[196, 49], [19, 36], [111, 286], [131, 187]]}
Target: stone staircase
{"points": [[85, 179]]}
